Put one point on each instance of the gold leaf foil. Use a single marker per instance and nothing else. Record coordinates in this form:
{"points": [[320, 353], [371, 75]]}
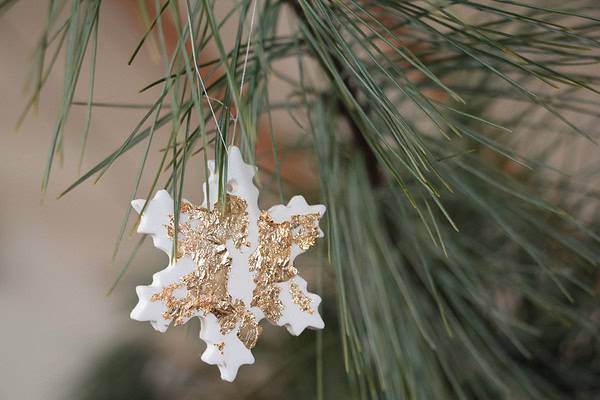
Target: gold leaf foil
{"points": [[249, 330], [305, 230], [299, 298], [202, 236], [271, 261]]}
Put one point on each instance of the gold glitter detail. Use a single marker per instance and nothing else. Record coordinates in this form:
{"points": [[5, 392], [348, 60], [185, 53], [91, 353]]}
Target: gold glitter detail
{"points": [[249, 330], [228, 315], [202, 235], [305, 230], [271, 260], [299, 298]]}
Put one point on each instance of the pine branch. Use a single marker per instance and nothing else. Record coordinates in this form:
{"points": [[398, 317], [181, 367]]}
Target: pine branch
{"points": [[347, 112], [463, 258]]}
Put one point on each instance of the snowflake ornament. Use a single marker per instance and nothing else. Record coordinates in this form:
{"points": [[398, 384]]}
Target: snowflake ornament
{"points": [[234, 266]]}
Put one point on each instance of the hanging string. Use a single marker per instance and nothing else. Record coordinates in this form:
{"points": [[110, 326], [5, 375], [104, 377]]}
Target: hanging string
{"points": [[235, 121], [200, 80]]}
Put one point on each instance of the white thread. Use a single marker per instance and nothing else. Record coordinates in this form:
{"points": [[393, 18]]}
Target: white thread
{"points": [[200, 76], [244, 70]]}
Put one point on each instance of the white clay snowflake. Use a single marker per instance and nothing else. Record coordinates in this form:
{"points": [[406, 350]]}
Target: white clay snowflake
{"points": [[234, 266]]}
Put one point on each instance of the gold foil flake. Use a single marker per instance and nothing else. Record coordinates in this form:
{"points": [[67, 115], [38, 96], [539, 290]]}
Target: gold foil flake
{"points": [[249, 330], [229, 314], [202, 235], [218, 224], [305, 230], [271, 261], [173, 304], [221, 346], [299, 298], [266, 297], [236, 218]]}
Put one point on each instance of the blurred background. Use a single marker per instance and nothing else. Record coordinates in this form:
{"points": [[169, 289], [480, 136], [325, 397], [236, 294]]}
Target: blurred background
{"points": [[64, 337]]}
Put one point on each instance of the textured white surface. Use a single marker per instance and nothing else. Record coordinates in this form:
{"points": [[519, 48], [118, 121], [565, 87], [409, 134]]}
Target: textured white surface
{"points": [[154, 220]]}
